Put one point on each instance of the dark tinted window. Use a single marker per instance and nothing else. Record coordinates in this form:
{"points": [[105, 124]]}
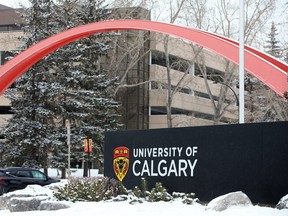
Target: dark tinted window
{"points": [[9, 28], [25, 174], [2, 173]]}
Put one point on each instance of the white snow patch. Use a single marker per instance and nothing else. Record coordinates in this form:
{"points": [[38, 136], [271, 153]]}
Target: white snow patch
{"points": [[55, 173], [32, 190]]}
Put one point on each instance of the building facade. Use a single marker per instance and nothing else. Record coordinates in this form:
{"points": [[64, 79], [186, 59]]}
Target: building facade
{"points": [[9, 32]]}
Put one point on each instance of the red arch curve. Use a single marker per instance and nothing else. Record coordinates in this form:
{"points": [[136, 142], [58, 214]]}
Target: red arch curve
{"points": [[269, 70]]}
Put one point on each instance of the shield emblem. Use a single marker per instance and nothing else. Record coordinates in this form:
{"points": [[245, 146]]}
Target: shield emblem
{"points": [[121, 162]]}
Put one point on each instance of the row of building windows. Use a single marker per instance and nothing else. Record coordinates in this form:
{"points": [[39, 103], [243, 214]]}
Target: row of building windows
{"points": [[5, 28], [183, 65]]}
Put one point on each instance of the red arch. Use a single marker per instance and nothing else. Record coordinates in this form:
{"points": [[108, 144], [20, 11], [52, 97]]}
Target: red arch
{"points": [[269, 70]]}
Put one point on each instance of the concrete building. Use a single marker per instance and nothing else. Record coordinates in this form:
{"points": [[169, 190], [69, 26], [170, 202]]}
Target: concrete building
{"points": [[8, 42], [144, 106], [191, 104]]}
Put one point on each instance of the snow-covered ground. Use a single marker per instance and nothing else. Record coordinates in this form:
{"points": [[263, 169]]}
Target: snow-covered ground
{"points": [[113, 208], [149, 209]]}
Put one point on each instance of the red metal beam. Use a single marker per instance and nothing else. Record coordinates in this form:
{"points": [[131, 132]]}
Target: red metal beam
{"points": [[269, 70]]}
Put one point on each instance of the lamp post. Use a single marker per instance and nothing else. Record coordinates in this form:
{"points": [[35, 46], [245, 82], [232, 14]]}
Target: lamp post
{"points": [[237, 99], [241, 61], [67, 122]]}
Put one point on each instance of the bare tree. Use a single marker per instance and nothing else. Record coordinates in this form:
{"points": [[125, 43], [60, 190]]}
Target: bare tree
{"points": [[220, 17], [199, 15], [195, 13], [225, 22], [174, 14]]}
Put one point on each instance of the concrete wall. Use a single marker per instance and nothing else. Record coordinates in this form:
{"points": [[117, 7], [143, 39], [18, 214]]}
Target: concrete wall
{"points": [[9, 41]]}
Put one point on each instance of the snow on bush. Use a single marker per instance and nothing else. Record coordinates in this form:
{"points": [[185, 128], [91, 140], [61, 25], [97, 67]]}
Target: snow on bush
{"points": [[107, 189], [89, 189]]}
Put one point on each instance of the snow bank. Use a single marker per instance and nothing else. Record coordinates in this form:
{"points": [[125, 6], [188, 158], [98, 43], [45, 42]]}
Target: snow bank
{"points": [[109, 208], [283, 203]]}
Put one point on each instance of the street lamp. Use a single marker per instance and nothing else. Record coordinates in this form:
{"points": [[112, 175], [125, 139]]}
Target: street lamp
{"points": [[236, 96]]}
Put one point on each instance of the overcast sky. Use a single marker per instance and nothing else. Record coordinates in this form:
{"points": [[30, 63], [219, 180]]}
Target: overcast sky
{"points": [[14, 3]]}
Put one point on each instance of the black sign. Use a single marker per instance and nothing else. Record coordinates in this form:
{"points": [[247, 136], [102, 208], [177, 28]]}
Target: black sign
{"points": [[209, 161]]}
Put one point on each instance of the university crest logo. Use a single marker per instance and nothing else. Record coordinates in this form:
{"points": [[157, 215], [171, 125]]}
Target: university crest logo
{"points": [[121, 162]]}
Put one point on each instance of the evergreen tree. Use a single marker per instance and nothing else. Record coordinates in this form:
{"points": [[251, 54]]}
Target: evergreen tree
{"points": [[65, 78], [272, 46], [69, 84], [97, 88], [85, 96], [286, 56], [29, 132]]}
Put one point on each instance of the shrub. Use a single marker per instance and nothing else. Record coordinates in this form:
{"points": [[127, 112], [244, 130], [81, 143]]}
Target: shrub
{"points": [[159, 193], [137, 192], [143, 192], [186, 198], [90, 189], [104, 188]]}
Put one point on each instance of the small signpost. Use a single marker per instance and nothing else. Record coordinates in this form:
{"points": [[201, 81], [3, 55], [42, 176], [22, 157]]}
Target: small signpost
{"points": [[88, 149]]}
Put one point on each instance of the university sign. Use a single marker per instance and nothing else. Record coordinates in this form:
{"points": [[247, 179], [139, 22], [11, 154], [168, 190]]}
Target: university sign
{"points": [[161, 161], [209, 161], [164, 161]]}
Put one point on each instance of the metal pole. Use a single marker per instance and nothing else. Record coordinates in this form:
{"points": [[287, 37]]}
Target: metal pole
{"points": [[88, 166], [241, 61], [89, 158], [68, 143]]}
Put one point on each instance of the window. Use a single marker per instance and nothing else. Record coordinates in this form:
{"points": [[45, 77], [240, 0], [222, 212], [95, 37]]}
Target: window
{"points": [[25, 174], [4, 28], [5, 110], [176, 63], [38, 175], [212, 74], [4, 56]]}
